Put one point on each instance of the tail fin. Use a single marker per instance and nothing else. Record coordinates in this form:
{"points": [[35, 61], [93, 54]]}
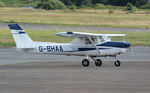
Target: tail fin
{"points": [[21, 39]]}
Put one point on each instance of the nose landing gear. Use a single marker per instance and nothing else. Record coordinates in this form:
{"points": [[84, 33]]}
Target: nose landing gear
{"points": [[117, 63], [98, 62]]}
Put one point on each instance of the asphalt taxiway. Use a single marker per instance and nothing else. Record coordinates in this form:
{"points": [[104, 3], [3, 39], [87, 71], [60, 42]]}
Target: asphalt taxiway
{"points": [[11, 56], [75, 28], [34, 73]]}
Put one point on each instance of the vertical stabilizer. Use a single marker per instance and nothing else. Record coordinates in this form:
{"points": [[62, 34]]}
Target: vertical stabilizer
{"points": [[21, 39]]}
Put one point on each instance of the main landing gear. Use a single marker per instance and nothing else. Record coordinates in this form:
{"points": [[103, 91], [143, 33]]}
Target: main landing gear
{"points": [[98, 62], [86, 62]]}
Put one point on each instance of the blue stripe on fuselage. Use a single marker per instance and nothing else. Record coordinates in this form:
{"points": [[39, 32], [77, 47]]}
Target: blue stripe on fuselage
{"points": [[21, 32], [89, 49], [111, 44], [115, 44]]}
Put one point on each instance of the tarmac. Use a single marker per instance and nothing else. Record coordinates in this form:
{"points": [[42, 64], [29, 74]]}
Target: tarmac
{"points": [[35, 73]]}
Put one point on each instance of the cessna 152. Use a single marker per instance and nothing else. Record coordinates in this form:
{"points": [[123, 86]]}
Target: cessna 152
{"points": [[84, 44]]}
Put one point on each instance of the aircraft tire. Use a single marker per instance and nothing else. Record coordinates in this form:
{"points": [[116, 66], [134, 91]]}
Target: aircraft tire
{"points": [[98, 62], [117, 63], [85, 62]]}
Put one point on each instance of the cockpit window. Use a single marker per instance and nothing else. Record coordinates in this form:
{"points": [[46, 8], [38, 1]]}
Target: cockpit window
{"points": [[102, 39]]}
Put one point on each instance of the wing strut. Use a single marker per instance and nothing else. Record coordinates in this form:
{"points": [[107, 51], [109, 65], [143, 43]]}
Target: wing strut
{"points": [[94, 44]]}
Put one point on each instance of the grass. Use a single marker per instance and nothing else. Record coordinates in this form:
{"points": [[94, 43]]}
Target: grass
{"points": [[6, 39], [140, 19]]}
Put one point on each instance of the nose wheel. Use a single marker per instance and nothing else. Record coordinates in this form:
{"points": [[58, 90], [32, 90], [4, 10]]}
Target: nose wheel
{"points": [[117, 63], [98, 62]]}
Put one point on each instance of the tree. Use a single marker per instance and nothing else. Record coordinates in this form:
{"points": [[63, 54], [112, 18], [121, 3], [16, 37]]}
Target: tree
{"points": [[83, 3], [139, 3], [130, 8], [2, 4], [73, 7], [67, 2], [100, 1], [51, 5]]}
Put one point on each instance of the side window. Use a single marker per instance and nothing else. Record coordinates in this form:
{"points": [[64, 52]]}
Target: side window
{"points": [[87, 41]]}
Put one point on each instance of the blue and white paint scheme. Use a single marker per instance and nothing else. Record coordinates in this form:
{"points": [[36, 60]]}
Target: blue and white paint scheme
{"points": [[84, 44]]}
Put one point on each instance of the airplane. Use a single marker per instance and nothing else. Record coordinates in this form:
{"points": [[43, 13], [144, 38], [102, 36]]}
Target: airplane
{"points": [[84, 44]]}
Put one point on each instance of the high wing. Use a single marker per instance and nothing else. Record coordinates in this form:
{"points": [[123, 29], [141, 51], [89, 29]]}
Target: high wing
{"points": [[104, 37], [86, 35]]}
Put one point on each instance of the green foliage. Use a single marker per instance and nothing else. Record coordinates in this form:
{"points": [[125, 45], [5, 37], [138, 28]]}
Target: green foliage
{"points": [[99, 6], [73, 7], [20, 3], [147, 6], [68, 2], [102, 6], [130, 8], [100, 1], [86, 3], [84, 7], [2, 4], [79, 3], [91, 3], [136, 3], [139, 3], [51, 5]]}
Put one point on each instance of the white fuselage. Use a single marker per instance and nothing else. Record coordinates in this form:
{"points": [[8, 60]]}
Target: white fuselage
{"points": [[73, 49]]}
